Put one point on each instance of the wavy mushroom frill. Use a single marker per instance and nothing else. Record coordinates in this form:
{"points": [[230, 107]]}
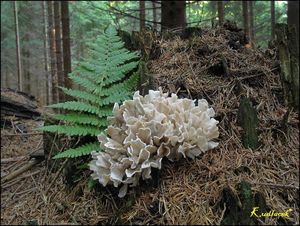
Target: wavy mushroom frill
{"points": [[148, 128]]}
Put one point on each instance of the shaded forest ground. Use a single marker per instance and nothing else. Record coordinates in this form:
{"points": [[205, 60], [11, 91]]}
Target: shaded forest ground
{"points": [[215, 66]]}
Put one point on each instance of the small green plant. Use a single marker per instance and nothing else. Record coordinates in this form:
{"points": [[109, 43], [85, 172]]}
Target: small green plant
{"points": [[103, 82]]}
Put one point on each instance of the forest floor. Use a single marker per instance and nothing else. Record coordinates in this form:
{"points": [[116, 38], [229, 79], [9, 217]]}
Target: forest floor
{"points": [[188, 191]]}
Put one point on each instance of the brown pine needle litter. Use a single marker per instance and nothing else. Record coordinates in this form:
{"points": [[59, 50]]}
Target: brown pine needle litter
{"points": [[188, 191]]}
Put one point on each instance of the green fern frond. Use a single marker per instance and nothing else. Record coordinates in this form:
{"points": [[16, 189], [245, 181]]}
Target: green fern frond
{"points": [[84, 82], [119, 73], [82, 119], [80, 94], [80, 151], [73, 130], [127, 85], [117, 97], [103, 78], [80, 106]]}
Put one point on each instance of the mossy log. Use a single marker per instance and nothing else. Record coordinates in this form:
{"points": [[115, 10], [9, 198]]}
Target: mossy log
{"points": [[289, 63], [247, 119]]}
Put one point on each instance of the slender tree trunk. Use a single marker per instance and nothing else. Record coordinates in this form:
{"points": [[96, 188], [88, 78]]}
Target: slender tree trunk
{"points": [[142, 15], [154, 15], [246, 18], [26, 65], [46, 55], [173, 14], [7, 79], [252, 22], [20, 79], [293, 21], [273, 19], [293, 44], [66, 44], [188, 10], [221, 12], [58, 50], [51, 34], [213, 5]]}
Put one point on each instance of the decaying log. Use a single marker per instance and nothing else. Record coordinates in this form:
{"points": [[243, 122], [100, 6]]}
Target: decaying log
{"points": [[18, 104]]}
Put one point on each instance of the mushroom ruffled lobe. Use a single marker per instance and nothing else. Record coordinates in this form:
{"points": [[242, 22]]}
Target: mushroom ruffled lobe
{"points": [[146, 129]]}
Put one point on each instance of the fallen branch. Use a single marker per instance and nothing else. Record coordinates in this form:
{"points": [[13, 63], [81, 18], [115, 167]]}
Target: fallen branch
{"points": [[21, 170], [14, 192], [22, 134], [13, 159], [256, 75], [20, 178], [279, 185]]}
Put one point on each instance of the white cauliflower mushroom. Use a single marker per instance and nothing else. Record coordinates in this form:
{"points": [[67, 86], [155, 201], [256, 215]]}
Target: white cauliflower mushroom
{"points": [[148, 128]]}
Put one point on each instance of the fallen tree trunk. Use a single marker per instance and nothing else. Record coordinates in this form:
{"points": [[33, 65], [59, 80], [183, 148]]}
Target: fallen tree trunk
{"points": [[19, 104]]}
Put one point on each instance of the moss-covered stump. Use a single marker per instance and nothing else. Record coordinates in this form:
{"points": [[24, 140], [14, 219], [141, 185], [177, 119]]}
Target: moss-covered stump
{"points": [[247, 119], [240, 205]]}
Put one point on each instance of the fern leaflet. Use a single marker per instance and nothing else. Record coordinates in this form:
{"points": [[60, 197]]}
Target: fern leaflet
{"points": [[104, 80], [77, 152]]}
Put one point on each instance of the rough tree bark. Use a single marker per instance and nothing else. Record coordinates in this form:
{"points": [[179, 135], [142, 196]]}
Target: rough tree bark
{"points": [[221, 12], [142, 15], [46, 55], [20, 79], [289, 65], [26, 64], [58, 49], [66, 44], [173, 14], [251, 18], [272, 19], [154, 15], [51, 35], [246, 18], [293, 19]]}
